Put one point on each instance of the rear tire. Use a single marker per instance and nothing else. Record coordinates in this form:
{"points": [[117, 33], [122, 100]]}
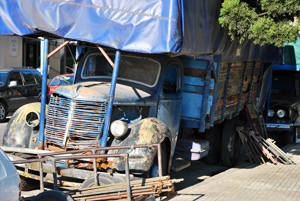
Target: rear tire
{"points": [[52, 195], [231, 143], [214, 135], [287, 137]]}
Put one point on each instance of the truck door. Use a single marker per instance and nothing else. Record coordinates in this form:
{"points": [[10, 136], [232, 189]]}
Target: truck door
{"points": [[16, 94], [169, 108]]}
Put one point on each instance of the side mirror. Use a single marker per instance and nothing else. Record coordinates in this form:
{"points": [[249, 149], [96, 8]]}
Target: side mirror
{"points": [[13, 84]]}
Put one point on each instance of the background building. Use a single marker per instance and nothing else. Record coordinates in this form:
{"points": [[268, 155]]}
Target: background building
{"points": [[16, 51]]}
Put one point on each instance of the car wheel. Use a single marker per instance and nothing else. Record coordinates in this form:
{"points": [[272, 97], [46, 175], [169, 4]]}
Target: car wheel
{"points": [[154, 169], [53, 195], [214, 136], [102, 180], [28, 184], [230, 143], [3, 112]]}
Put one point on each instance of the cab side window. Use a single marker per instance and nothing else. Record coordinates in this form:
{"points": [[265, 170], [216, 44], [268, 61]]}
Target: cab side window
{"points": [[28, 77], [171, 81], [15, 76]]}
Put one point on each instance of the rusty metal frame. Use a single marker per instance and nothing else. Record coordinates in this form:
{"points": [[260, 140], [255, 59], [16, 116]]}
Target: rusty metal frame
{"points": [[106, 56], [57, 49], [53, 157]]}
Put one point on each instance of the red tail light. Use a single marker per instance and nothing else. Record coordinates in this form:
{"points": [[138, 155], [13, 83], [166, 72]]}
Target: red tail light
{"points": [[20, 188]]}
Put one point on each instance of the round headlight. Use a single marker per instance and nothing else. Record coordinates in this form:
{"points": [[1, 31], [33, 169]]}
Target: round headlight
{"points": [[280, 113], [271, 113], [118, 128]]}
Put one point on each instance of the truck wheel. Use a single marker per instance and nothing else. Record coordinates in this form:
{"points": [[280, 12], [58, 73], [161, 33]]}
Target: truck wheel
{"points": [[287, 137], [53, 195], [28, 184], [102, 180], [231, 143], [214, 135], [3, 112], [154, 169]]}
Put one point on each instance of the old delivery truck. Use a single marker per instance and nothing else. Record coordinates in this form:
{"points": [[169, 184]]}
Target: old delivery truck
{"points": [[145, 70]]}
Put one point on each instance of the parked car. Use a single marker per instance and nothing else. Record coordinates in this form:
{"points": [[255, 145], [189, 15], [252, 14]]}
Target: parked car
{"points": [[284, 106], [10, 186], [59, 80], [18, 86]]}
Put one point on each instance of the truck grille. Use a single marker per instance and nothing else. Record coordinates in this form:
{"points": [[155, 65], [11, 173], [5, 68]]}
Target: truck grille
{"points": [[74, 124]]}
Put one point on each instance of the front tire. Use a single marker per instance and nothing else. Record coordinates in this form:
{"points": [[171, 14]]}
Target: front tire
{"points": [[154, 170], [231, 143], [53, 195]]}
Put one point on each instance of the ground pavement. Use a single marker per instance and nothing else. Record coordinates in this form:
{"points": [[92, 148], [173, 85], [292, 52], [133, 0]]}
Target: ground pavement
{"points": [[250, 182]]}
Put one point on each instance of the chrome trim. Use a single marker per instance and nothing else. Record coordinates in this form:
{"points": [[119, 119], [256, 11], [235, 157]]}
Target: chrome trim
{"points": [[269, 125]]}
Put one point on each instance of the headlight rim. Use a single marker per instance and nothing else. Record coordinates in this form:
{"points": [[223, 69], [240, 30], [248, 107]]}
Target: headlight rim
{"points": [[121, 134], [281, 110], [271, 110]]}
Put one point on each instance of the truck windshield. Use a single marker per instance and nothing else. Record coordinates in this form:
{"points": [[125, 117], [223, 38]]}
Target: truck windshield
{"points": [[284, 86], [133, 69]]}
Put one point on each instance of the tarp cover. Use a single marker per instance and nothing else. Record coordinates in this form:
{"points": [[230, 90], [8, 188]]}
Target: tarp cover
{"points": [[292, 53], [179, 27]]}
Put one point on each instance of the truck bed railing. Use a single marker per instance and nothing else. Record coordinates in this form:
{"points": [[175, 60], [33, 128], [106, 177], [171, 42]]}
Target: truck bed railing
{"points": [[56, 156]]}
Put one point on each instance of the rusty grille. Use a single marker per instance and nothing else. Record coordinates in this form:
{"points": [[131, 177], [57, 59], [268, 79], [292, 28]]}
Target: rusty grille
{"points": [[74, 124]]}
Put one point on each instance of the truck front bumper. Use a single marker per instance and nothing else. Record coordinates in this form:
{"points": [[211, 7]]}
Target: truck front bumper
{"points": [[283, 127]]}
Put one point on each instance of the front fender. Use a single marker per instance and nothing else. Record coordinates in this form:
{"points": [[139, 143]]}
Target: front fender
{"points": [[146, 131], [18, 133]]}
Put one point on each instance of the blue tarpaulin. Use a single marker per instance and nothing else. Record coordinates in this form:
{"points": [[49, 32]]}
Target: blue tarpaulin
{"points": [[178, 27]]}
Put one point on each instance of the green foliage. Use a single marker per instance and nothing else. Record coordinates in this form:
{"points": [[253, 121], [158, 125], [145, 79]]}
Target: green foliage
{"points": [[265, 21]]}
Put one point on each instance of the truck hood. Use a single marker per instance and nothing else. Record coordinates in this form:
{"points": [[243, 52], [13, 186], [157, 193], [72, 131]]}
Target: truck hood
{"points": [[99, 91]]}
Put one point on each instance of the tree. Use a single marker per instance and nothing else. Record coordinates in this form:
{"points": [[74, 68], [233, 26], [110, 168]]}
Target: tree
{"points": [[265, 21]]}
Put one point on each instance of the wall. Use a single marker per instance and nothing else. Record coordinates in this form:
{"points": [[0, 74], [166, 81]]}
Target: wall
{"points": [[54, 62], [5, 59]]}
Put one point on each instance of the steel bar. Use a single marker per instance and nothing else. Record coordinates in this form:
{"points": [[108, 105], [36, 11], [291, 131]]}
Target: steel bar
{"points": [[215, 98], [106, 56], [49, 180], [112, 148], [205, 96], [41, 138], [103, 140], [110, 191], [95, 169], [127, 178], [226, 92], [41, 176], [251, 82], [57, 49], [54, 174], [241, 89]]}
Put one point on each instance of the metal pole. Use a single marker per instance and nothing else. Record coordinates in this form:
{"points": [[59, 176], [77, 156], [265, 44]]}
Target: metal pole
{"points": [[159, 160], [205, 96], [95, 170], [111, 99], [127, 178], [41, 176], [43, 96], [54, 174], [216, 89]]}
